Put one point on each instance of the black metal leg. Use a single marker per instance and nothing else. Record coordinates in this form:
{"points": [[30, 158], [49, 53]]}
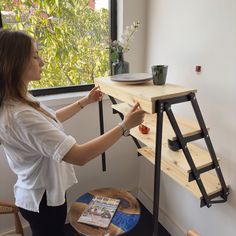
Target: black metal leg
{"points": [[101, 120], [157, 174]]}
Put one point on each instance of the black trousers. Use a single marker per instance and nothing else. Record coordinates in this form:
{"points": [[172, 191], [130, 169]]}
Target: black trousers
{"points": [[49, 221]]}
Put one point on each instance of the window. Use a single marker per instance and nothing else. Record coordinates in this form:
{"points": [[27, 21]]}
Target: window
{"points": [[72, 36]]}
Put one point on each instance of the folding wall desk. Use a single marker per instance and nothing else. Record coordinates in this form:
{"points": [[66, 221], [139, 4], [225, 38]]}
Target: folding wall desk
{"points": [[190, 167]]}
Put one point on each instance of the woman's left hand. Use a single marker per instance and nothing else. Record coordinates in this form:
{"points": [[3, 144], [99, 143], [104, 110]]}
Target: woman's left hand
{"points": [[94, 95]]}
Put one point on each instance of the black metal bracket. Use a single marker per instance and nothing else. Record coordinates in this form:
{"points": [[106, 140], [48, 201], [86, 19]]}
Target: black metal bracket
{"points": [[180, 142], [174, 144], [184, 147], [201, 122], [214, 196], [201, 170]]}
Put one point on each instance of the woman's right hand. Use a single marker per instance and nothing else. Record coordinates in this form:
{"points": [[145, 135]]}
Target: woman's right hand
{"points": [[134, 117], [81, 154]]}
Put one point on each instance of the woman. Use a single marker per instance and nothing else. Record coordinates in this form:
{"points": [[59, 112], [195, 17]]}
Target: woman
{"points": [[32, 136]]}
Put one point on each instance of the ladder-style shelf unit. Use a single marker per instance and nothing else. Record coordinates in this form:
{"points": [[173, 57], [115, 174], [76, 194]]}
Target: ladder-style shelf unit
{"points": [[168, 144]]}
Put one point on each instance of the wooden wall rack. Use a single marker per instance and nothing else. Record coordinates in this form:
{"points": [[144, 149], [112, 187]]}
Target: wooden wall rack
{"points": [[168, 145]]}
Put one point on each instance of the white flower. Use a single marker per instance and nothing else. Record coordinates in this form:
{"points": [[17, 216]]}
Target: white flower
{"points": [[122, 46]]}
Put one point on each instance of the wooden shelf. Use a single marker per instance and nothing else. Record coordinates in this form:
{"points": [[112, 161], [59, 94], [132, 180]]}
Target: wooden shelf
{"points": [[209, 180], [174, 163], [200, 156], [135, 93], [187, 127]]}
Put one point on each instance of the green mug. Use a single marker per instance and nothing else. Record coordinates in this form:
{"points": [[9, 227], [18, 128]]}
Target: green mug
{"points": [[159, 73]]}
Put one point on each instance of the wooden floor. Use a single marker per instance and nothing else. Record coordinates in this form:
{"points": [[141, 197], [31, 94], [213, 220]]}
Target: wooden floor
{"points": [[144, 227]]}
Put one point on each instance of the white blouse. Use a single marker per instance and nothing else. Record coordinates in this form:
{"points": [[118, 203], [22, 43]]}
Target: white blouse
{"points": [[35, 146]]}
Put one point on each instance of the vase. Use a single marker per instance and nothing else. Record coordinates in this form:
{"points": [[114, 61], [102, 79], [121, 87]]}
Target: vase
{"points": [[120, 66]]}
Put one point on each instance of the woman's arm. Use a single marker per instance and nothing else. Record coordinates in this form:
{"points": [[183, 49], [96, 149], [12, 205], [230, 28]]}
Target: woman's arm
{"points": [[67, 112], [81, 154]]}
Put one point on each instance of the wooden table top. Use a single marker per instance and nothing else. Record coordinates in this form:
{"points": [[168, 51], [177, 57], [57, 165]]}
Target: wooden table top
{"points": [[125, 218], [146, 94]]}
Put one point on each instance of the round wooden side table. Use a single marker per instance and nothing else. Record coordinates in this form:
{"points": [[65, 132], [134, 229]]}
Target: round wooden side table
{"points": [[125, 218]]}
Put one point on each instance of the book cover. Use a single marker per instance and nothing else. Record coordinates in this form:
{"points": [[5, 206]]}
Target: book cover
{"points": [[99, 211]]}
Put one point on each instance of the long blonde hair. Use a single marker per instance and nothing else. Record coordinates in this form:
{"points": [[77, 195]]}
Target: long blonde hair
{"points": [[15, 53]]}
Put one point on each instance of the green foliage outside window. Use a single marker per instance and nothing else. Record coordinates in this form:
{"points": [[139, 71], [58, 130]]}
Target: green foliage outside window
{"points": [[71, 38]]}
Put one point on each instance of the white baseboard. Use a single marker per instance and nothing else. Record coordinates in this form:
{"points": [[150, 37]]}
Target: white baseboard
{"points": [[167, 222]]}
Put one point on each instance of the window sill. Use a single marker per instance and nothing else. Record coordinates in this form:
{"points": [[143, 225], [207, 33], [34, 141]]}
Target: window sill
{"points": [[61, 99]]}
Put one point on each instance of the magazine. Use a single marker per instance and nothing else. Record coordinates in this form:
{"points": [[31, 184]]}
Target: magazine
{"points": [[99, 211]]}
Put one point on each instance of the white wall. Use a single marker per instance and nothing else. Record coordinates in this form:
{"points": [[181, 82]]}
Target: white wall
{"points": [[128, 12], [183, 34]]}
